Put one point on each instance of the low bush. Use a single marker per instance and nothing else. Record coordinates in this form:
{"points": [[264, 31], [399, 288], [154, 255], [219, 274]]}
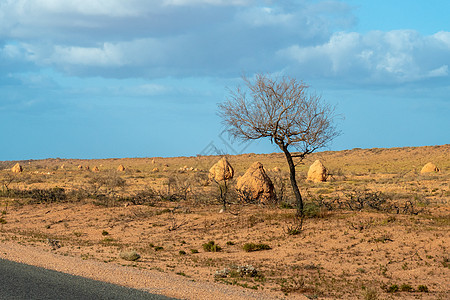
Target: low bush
{"points": [[38, 195], [406, 288], [145, 197], [358, 200], [392, 288], [249, 247], [211, 247], [422, 288], [285, 205], [311, 210]]}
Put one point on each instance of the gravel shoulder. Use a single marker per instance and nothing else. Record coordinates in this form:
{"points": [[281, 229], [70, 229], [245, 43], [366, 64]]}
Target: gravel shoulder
{"points": [[147, 280]]}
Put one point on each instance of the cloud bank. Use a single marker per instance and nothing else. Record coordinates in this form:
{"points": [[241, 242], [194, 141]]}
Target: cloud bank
{"points": [[380, 57], [179, 38]]}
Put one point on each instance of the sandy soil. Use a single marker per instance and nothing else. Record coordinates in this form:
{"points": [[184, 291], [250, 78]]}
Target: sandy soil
{"points": [[345, 250], [147, 280], [399, 250]]}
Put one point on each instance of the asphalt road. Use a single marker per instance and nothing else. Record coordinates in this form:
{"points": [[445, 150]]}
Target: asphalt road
{"points": [[19, 281]]}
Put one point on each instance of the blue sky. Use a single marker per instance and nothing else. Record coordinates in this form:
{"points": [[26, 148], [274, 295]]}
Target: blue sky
{"points": [[142, 78]]}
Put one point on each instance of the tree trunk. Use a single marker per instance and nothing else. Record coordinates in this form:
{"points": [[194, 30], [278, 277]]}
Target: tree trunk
{"points": [[298, 196], [223, 194]]}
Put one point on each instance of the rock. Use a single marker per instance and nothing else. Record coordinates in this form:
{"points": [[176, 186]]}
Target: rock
{"points": [[247, 271], [129, 255], [276, 169], [54, 244], [317, 172], [429, 168], [17, 168], [87, 167], [255, 185], [222, 273], [220, 171], [80, 167], [95, 169], [120, 168], [155, 170], [233, 271]]}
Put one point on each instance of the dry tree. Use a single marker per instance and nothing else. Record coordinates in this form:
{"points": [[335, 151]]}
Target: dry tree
{"points": [[281, 109]]}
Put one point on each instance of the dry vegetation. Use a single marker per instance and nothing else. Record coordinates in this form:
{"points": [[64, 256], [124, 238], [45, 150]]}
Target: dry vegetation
{"points": [[378, 229]]}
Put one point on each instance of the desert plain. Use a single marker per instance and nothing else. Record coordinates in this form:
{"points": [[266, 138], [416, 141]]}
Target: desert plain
{"points": [[378, 228]]}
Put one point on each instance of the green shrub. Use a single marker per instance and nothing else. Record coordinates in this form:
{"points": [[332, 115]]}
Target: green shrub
{"points": [[51, 195], [370, 294], [311, 210], [392, 289], [39, 195], [145, 197], [293, 230], [211, 247], [182, 252], [163, 211], [446, 262], [361, 270], [285, 205], [249, 247], [193, 251], [422, 288], [406, 288], [108, 240]]}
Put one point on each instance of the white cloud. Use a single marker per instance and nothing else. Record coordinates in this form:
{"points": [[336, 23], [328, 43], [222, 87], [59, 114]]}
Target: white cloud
{"points": [[34, 8], [11, 52], [139, 38], [107, 55], [439, 72], [444, 37], [172, 38], [262, 16], [377, 57]]}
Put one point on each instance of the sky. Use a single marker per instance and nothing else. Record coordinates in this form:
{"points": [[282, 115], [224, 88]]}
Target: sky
{"points": [[142, 78]]}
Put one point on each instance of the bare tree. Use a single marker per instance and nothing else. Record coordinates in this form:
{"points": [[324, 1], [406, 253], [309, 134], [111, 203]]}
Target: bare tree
{"points": [[282, 110]]}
